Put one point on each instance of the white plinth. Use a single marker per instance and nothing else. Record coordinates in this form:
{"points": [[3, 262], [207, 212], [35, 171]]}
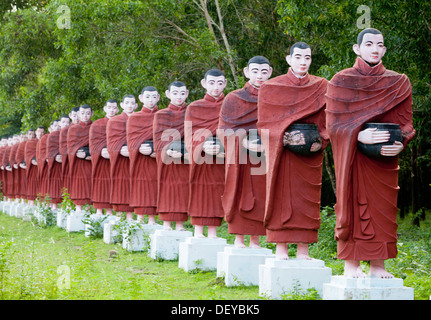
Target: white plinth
{"points": [[140, 239], [200, 253], [19, 210], [8, 208], [281, 277], [74, 222], [28, 213], [164, 244], [95, 217], [369, 288], [240, 266], [61, 219], [109, 233]]}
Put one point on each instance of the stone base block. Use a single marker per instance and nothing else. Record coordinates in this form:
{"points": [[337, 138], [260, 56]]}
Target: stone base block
{"points": [[164, 244], [240, 266], [74, 222], [61, 219], [140, 239], [370, 288], [281, 277], [94, 217], [109, 233], [200, 253], [19, 210]]}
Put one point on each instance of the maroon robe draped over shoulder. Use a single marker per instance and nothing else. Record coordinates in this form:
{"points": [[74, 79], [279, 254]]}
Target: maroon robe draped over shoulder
{"points": [[244, 193], [32, 170], [172, 174], [206, 174], [65, 178], [79, 169], [293, 181], [101, 172], [55, 180], [367, 188], [7, 175], [42, 165], [19, 158], [2, 172], [120, 165], [15, 172], [143, 168]]}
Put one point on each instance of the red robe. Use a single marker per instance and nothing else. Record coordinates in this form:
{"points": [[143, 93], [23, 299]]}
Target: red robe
{"points": [[2, 172], [79, 169], [120, 165], [172, 174], [54, 168], [65, 178], [32, 176], [143, 169], [8, 177], [15, 172], [42, 165], [206, 176], [367, 188], [293, 181], [19, 158], [101, 176], [244, 193]]}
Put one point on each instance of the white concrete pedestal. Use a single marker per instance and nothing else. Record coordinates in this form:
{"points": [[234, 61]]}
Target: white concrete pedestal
{"points": [[200, 253], [109, 233], [240, 266], [61, 219], [164, 244], [74, 222], [8, 208], [281, 277], [140, 239], [95, 217], [28, 212], [369, 288], [19, 209]]}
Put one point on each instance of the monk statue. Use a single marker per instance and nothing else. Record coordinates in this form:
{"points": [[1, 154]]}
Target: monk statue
{"points": [[357, 99], [19, 160], [172, 167], [116, 135], [294, 177], [80, 159], [31, 164], [143, 166], [206, 176], [55, 182], [101, 166], [244, 193]]}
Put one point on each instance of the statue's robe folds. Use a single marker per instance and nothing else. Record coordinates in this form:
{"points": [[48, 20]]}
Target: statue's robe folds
{"points": [[143, 168], [243, 197], [367, 188], [120, 165], [42, 165], [19, 158], [206, 174], [101, 167], [7, 175], [65, 178], [293, 181], [2, 172], [79, 169], [55, 181], [15, 172], [172, 174], [32, 175]]}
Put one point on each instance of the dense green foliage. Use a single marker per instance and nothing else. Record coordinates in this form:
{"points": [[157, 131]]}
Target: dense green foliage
{"points": [[57, 54]]}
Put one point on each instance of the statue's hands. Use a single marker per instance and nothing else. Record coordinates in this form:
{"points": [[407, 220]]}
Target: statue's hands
{"points": [[153, 155], [23, 166], [211, 148], [15, 166], [392, 150], [145, 149], [373, 136], [252, 145], [58, 158], [80, 154], [33, 162], [124, 151], [104, 153], [174, 154], [294, 138]]}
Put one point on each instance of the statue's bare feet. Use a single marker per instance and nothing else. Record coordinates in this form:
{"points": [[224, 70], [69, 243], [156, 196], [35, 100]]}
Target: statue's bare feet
{"points": [[167, 225], [302, 251], [199, 232], [179, 226], [212, 232], [352, 269], [281, 251], [377, 269], [254, 242], [239, 241]]}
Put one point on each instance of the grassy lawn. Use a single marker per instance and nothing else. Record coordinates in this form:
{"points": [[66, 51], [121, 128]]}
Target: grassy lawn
{"points": [[34, 261]]}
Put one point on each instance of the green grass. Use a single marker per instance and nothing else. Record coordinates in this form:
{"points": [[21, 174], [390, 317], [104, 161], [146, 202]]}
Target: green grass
{"points": [[35, 260]]}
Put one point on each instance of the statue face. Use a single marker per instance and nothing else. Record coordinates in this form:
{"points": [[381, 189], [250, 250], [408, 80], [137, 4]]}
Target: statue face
{"points": [[55, 126], [31, 135], [214, 85], [149, 99], [257, 73], [64, 122], [129, 105], [372, 48], [74, 117], [40, 132], [177, 95], [85, 114], [300, 61], [111, 109]]}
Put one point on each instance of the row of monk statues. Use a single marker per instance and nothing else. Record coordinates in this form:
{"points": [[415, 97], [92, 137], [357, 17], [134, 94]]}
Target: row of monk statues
{"points": [[252, 156]]}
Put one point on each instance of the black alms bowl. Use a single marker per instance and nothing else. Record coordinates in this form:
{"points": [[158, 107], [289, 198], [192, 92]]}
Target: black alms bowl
{"points": [[374, 150], [179, 146], [311, 135], [150, 142]]}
